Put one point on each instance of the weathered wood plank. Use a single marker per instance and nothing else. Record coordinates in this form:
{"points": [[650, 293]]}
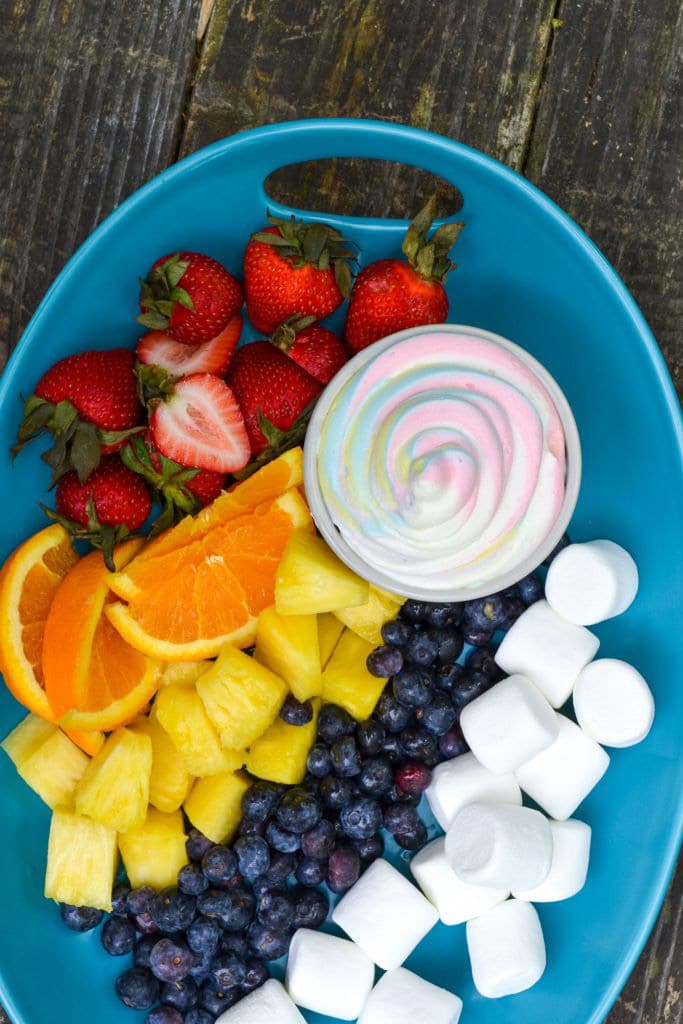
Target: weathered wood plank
{"points": [[91, 97]]}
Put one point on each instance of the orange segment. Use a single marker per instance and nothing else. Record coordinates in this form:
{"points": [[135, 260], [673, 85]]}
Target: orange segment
{"points": [[28, 583]]}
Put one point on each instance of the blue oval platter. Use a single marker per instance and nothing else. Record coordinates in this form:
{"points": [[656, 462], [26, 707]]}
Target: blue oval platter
{"points": [[524, 271]]}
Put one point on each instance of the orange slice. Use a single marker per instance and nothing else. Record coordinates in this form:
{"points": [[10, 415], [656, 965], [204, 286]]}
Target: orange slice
{"points": [[189, 601], [94, 680], [28, 583]]}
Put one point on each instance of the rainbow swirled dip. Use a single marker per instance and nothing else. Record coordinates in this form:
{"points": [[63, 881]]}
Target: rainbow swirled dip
{"points": [[442, 461]]}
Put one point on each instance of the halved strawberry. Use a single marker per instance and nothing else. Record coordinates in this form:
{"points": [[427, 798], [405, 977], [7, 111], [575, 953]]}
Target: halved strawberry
{"points": [[200, 424], [180, 360]]}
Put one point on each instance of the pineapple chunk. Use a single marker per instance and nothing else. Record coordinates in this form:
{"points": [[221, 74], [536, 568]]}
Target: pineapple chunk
{"points": [[214, 805], [155, 853], [183, 673], [241, 697], [310, 579], [280, 754], [114, 789], [81, 861], [288, 645], [54, 770], [329, 631], [367, 619], [26, 738], [181, 714], [170, 781], [346, 680]]}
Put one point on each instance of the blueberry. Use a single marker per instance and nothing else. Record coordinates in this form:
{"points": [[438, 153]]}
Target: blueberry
{"points": [[482, 659], [452, 743], [384, 661], [268, 943], [447, 676], [415, 611], [449, 644], [119, 899], [514, 607], [318, 761], [439, 715], [281, 867], [335, 792], [118, 936], [201, 967], [345, 757], [145, 923], [412, 840], [192, 880], [140, 900], [530, 589], [413, 777], [400, 818], [219, 864], [198, 1016], [170, 960], [334, 722], [370, 849], [392, 747], [370, 736], [257, 974], [293, 712], [310, 871], [376, 776], [260, 801], [173, 910], [203, 935], [311, 907], [318, 842], [137, 988], [298, 811], [228, 971], [281, 839], [253, 856], [311, 784], [445, 615], [233, 910], [413, 687], [390, 713], [183, 995], [143, 950], [261, 885], [478, 637], [396, 633], [343, 869], [234, 942], [562, 543], [251, 828], [482, 613], [80, 919], [217, 1000], [471, 686], [164, 1015], [422, 649], [361, 818], [421, 745], [197, 844], [275, 909]]}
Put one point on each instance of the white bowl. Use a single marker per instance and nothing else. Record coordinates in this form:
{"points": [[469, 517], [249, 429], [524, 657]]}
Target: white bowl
{"points": [[333, 537]]}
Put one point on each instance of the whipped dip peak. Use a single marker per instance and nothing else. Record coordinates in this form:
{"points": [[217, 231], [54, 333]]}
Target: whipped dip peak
{"points": [[441, 461]]}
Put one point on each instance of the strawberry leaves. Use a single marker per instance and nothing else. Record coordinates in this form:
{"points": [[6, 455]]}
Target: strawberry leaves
{"points": [[160, 291], [429, 257], [279, 441], [97, 534], [167, 480], [317, 244]]}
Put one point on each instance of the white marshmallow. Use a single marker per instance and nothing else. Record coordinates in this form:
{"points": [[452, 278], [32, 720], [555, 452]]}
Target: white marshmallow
{"points": [[328, 975], [499, 845], [548, 650], [588, 583], [401, 997], [462, 781], [613, 703], [507, 950], [563, 775], [385, 914], [455, 900], [268, 1003], [569, 866], [508, 724]]}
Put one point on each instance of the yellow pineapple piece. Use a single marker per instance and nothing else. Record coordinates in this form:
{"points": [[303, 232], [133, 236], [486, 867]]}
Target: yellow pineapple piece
{"points": [[329, 631], [114, 788], [288, 645], [183, 673], [46, 759], [214, 805], [181, 714], [311, 579], [280, 754], [26, 738], [81, 861], [170, 781], [346, 680], [241, 697], [154, 853], [367, 619]]}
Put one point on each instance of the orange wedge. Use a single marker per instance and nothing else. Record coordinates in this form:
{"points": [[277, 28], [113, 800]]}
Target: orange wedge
{"points": [[93, 679], [28, 583], [187, 601]]}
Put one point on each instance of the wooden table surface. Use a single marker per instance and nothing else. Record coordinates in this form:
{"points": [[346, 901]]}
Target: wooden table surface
{"points": [[581, 96]]}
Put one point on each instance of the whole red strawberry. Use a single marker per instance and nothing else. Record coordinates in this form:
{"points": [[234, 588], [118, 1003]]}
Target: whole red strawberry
{"points": [[313, 347], [293, 267], [190, 297], [274, 394], [391, 295], [89, 403]]}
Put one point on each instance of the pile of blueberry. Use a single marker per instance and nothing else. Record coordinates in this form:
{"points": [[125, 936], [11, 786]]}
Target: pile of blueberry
{"points": [[200, 947]]}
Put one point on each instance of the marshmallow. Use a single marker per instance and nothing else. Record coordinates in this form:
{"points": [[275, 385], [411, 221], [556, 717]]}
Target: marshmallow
{"points": [[462, 781], [401, 997], [499, 845], [508, 724], [569, 866], [385, 914], [613, 703], [268, 1003], [563, 775], [455, 900], [328, 975], [506, 948], [588, 583], [548, 650]]}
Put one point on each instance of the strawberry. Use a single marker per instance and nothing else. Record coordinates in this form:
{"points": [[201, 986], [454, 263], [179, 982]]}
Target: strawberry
{"points": [[315, 348], [199, 424], [190, 297], [180, 360], [292, 267], [275, 395], [391, 294], [89, 403]]}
